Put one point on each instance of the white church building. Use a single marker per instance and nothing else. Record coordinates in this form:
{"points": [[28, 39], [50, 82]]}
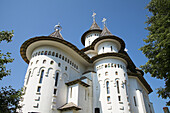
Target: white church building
{"points": [[100, 78]]}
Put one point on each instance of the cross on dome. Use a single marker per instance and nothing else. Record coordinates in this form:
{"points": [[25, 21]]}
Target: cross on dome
{"points": [[94, 14], [57, 27], [104, 21]]}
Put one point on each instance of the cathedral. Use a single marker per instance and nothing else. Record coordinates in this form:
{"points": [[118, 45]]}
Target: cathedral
{"points": [[100, 78]]}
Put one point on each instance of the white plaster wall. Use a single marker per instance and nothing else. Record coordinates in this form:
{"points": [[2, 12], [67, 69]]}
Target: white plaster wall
{"points": [[145, 99], [90, 38], [132, 92], [84, 99], [141, 94], [75, 94], [105, 47], [48, 101], [99, 89]]}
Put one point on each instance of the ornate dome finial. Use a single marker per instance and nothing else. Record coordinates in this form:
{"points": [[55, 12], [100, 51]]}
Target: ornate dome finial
{"points": [[105, 31], [104, 21], [94, 25], [94, 14], [58, 27], [57, 33]]}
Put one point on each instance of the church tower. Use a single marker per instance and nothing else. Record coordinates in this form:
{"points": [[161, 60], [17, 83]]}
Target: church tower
{"points": [[100, 78], [110, 82]]}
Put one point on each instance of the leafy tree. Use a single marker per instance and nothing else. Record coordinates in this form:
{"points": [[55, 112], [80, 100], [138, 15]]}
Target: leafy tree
{"points": [[157, 48], [9, 100], [5, 58], [9, 97]]}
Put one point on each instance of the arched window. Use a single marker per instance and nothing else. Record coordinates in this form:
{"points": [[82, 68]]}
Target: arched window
{"points": [[45, 53], [33, 55], [56, 55], [53, 53], [66, 59], [39, 89], [71, 92], [60, 56], [28, 77], [115, 65], [107, 87], [37, 61], [63, 58], [116, 73], [59, 64], [119, 98], [108, 98], [56, 79], [111, 64], [36, 54], [44, 61], [111, 48], [106, 73], [103, 49], [49, 53], [41, 76], [97, 110], [134, 101], [66, 68], [42, 52], [117, 83], [55, 91]]}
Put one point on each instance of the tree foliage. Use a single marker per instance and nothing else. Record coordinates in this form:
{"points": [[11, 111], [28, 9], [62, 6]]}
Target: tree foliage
{"points": [[5, 58], [9, 97], [157, 47], [9, 100]]}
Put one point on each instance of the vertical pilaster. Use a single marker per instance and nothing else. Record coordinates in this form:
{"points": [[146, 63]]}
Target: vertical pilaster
{"points": [[140, 101]]}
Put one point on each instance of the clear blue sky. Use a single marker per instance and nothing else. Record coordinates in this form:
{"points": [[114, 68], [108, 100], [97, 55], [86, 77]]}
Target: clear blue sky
{"points": [[30, 18]]}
